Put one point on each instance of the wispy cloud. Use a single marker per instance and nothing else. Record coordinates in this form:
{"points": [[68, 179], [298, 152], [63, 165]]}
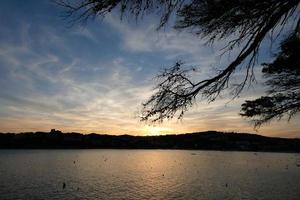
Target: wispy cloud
{"points": [[98, 96], [94, 78], [145, 38], [86, 33]]}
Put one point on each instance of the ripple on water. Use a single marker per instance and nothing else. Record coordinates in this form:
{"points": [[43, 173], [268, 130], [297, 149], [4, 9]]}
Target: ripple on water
{"points": [[148, 174]]}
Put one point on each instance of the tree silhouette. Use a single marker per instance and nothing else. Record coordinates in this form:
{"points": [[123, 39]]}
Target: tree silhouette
{"points": [[283, 76], [243, 23]]}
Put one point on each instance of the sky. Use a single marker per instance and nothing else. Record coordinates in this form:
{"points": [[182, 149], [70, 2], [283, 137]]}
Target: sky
{"points": [[93, 77]]}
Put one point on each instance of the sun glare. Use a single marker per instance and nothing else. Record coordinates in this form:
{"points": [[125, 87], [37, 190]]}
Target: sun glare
{"points": [[155, 130]]}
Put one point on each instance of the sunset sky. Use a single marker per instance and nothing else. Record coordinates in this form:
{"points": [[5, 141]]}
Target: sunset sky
{"points": [[94, 77]]}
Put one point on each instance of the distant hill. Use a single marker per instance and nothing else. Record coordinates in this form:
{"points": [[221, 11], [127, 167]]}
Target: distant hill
{"points": [[210, 140]]}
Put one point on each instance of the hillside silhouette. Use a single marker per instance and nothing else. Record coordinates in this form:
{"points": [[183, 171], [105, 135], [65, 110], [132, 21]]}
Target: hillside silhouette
{"points": [[210, 140]]}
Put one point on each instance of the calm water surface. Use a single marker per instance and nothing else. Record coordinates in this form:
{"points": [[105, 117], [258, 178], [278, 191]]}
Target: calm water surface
{"points": [[148, 174]]}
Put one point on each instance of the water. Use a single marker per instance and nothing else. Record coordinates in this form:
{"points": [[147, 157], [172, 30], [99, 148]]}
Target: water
{"points": [[148, 174]]}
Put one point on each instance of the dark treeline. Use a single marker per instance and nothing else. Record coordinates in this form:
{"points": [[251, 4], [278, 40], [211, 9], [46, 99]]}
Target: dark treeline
{"points": [[210, 140]]}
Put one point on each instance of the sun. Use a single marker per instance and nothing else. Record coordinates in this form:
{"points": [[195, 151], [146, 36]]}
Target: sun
{"points": [[155, 130]]}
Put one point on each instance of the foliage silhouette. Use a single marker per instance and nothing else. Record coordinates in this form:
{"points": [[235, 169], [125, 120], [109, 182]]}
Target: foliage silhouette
{"points": [[244, 23], [283, 76]]}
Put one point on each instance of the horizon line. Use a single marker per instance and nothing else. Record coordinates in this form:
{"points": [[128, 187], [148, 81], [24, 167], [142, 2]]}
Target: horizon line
{"points": [[131, 135]]}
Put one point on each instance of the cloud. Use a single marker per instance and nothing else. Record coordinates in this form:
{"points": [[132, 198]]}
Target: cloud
{"points": [[145, 38], [85, 96], [86, 33], [175, 45], [94, 79]]}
